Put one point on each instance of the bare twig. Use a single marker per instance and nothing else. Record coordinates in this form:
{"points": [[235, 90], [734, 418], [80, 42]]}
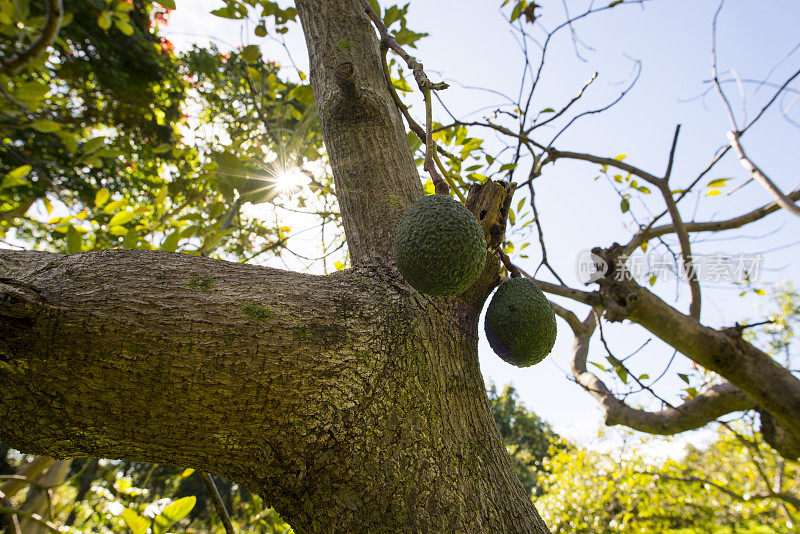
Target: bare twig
{"points": [[646, 234], [36, 518], [780, 197], [218, 504], [714, 74], [416, 67], [554, 154]]}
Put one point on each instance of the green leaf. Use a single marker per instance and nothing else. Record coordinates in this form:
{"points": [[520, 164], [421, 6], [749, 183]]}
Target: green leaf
{"points": [[124, 27], [170, 244], [117, 230], [719, 182], [93, 144], [692, 392], [251, 53], [16, 177], [74, 241], [684, 378], [70, 141], [172, 514], [598, 366], [135, 522], [615, 2], [625, 205], [121, 218], [375, 7], [548, 110], [622, 373], [104, 20], [517, 11], [45, 126], [101, 197], [644, 376], [261, 31], [169, 4], [131, 239]]}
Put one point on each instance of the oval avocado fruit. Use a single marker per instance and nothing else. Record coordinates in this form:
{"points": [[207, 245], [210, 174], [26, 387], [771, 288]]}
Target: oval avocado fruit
{"points": [[439, 247], [520, 323]]}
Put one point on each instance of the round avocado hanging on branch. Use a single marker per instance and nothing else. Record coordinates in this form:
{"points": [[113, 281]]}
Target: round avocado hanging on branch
{"points": [[520, 323]]}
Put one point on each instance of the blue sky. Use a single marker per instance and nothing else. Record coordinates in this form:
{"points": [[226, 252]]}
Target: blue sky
{"points": [[470, 44]]}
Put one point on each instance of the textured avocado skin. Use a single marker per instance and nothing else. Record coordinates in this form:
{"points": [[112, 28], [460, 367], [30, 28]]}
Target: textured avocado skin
{"points": [[520, 323], [439, 247]]}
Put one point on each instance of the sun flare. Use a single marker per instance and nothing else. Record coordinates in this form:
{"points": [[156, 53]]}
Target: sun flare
{"points": [[289, 179]]}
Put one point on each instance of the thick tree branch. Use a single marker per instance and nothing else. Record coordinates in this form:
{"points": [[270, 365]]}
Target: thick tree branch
{"points": [[721, 351], [330, 396], [694, 413], [55, 14]]}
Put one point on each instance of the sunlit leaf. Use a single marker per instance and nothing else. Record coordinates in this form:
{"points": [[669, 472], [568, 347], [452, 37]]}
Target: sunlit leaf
{"points": [[104, 20], [101, 197], [135, 522], [172, 514], [45, 125], [16, 177], [251, 53], [122, 217]]}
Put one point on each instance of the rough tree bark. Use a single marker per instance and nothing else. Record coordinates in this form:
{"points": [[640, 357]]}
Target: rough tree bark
{"points": [[350, 401]]}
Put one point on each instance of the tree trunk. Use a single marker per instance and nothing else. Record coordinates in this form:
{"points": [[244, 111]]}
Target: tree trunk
{"points": [[350, 402]]}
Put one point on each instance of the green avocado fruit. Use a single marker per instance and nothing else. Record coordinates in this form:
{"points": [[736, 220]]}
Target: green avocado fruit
{"points": [[520, 323], [439, 246]]}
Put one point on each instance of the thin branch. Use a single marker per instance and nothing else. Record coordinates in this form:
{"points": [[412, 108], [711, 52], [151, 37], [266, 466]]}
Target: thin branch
{"points": [[668, 173], [55, 15], [565, 108], [554, 154], [416, 67], [36, 518], [638, 67], [714, 74], [647, 234], [780, 198], [686, 249], [698, 480], [218, 504]]}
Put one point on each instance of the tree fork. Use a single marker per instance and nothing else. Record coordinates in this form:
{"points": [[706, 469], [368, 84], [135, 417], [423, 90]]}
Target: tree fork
{"points": [[349, 402]]}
